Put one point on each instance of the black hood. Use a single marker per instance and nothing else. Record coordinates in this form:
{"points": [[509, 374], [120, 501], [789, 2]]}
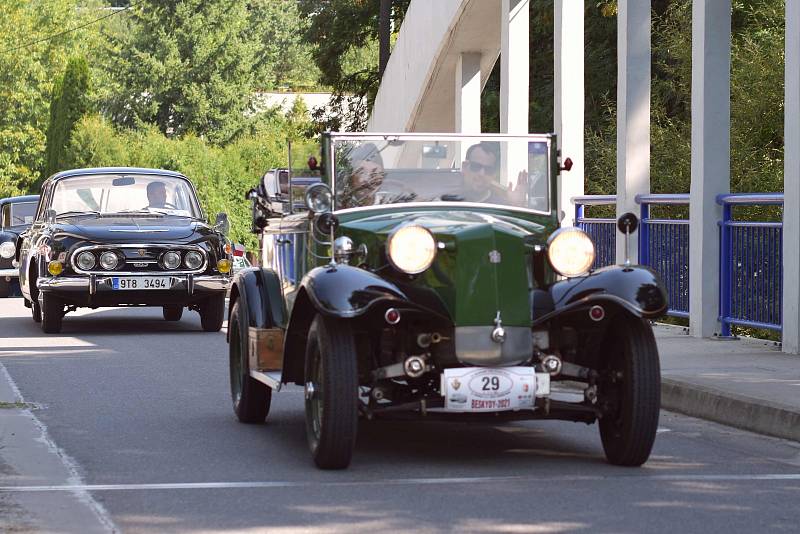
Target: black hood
{"points": [[120, 229]]}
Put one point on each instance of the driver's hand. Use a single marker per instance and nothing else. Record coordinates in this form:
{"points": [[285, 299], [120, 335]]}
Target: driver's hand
{"points": [[520, 190]]}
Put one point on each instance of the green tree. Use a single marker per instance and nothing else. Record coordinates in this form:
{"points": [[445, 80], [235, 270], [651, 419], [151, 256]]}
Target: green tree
{"points": [[186, 66], [69, 103]]}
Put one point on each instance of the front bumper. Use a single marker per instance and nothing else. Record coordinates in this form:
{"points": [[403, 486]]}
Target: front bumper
{"points": [[9, 273], [99, 289]]}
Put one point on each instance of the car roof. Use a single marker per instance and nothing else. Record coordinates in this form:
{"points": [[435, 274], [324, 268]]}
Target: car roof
{"points": [[22, 198], [114, 170]]}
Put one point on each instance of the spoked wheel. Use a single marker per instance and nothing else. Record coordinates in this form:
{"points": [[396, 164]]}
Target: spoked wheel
{"points": [[212, 313], [52, 313], [631, 392], [331, 392], [251, 399], [173, 313]]}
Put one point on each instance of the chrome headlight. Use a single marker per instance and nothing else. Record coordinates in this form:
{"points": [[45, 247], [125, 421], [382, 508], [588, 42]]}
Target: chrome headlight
{"points": [[570, 251], [343, 249], [85, 261], [319, 198], [411, 249], [171, 260], [7, 249], [193, 260], [108, 260]]}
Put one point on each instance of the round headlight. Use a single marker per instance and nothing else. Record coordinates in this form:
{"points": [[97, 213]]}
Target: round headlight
{"points": [[570, 251], [108, 260], [171, 260], [343, 248], [7, 249], [319, 198], [85, 261], [193, 260], [412, 249]]}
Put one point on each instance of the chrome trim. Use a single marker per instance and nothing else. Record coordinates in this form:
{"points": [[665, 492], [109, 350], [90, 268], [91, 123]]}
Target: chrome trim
{"points": [[95, 284], [9, 272], [271, 379], [439, 203], [112, 246], [143, 231]]}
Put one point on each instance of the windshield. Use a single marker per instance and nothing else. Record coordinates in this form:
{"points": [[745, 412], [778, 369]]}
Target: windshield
{"points": [[129, 193], [486, 169], [18, 214]]}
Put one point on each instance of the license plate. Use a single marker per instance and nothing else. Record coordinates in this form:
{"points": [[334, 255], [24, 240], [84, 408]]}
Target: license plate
{"points": [[484, 389], [140, 282]]}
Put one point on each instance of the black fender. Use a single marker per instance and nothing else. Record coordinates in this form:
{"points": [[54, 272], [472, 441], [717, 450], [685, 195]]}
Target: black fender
{"points": [[637, 289], [261, 301], [346, 292]]}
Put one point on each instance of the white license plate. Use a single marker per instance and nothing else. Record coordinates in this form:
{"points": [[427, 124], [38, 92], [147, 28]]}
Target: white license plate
{"points": [[140, 282], [485, 389]]}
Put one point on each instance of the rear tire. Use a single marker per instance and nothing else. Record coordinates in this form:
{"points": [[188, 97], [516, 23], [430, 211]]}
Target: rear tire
{"points": [[212, 313], [52, 313], [172, 313], [331, 391], [251, 399], [36, 311], [633, 390]]}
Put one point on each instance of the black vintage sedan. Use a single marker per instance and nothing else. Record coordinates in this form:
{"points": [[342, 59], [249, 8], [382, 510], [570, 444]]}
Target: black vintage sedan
{"points": [[16, 216], [123, 237]]}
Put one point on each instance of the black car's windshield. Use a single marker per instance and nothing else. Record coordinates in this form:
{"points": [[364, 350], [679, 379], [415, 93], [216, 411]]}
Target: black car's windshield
{"points": [[505, 170], [130, 193], [19, 214]]}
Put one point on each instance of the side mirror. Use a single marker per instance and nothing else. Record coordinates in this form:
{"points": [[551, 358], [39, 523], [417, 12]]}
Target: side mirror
{"points": [[222, 224], [627, 224]]}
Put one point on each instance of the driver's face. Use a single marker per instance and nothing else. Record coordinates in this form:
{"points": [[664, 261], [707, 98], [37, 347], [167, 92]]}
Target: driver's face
{"points": [[367, 177], [479, 168], [157, 195]]}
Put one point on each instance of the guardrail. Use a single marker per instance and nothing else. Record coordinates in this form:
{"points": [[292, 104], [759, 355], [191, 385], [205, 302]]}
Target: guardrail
{"points": [[601, 230], [751, 267], [664, 247]]}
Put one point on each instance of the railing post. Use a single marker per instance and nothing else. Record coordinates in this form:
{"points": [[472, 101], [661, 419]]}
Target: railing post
{"points": [[725, 283], [644, 233], [578, 213]]}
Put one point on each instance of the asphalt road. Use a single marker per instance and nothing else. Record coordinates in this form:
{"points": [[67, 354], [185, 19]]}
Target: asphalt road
{"points": [[139, 409]]}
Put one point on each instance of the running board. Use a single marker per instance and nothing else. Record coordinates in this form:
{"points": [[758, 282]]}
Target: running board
{"points": [[270, 378]]}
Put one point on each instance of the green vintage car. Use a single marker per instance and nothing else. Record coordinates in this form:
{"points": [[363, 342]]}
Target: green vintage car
{"points": [[427, 275]]}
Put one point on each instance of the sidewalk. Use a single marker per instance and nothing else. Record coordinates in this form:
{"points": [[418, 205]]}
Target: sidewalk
{"points": [[744, 383]]}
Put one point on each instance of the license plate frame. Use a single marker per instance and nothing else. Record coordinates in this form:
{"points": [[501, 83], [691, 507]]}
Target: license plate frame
{"points": [[140, 283], [488, 389]]}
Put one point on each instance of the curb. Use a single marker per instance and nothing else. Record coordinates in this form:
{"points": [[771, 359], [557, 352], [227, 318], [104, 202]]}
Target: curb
{"points": [[746, 413]]}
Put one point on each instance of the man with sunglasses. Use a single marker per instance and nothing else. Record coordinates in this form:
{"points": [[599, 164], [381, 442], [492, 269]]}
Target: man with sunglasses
{"points": [[480, 174]]}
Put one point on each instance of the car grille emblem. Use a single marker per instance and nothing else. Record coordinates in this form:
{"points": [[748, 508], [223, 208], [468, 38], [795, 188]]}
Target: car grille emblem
{"points": [[494, 257], [140, 264], [142, 251]]}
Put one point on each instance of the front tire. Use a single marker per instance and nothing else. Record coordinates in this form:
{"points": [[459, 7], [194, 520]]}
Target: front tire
{"points": [[331, 392], [632, 390], [251, 399], [52, 313], [212, 313], [172, 313]]}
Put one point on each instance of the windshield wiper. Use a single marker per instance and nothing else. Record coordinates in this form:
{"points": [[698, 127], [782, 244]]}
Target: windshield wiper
{"points": [[74, 213]]}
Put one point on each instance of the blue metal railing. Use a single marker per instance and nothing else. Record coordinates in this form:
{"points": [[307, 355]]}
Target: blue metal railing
{"points": [[601, 230], [751, 267], [664, 247]]}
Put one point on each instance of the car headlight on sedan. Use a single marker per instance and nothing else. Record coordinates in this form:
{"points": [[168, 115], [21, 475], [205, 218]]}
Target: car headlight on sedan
{"points": [[171, 260], [570, 252], [193, 260], [7, 249], [85, 261], [412, 249], [108, 260]]}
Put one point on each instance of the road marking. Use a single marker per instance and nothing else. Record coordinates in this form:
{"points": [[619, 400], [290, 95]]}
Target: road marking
{"points": [[392, 482]]}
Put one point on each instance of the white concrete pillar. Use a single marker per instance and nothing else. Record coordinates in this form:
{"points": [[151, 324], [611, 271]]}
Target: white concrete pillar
{"points": [[568, 99], [468, 96], [514, 62], [633, 112], [791, 183], [711, 125]]}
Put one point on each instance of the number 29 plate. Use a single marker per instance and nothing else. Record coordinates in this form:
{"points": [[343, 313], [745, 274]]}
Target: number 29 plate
{"points": [[484, 389], [140, 282]]}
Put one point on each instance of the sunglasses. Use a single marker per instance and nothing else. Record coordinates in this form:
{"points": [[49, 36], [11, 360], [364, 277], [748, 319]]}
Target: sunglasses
{"points": [[474, 166]]}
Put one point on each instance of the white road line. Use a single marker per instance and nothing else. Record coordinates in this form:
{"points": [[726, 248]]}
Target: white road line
{"points": [[75, 482], [393, 482]]}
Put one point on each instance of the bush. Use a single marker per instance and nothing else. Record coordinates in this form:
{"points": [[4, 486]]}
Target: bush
{"points": [[221, 175]]}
